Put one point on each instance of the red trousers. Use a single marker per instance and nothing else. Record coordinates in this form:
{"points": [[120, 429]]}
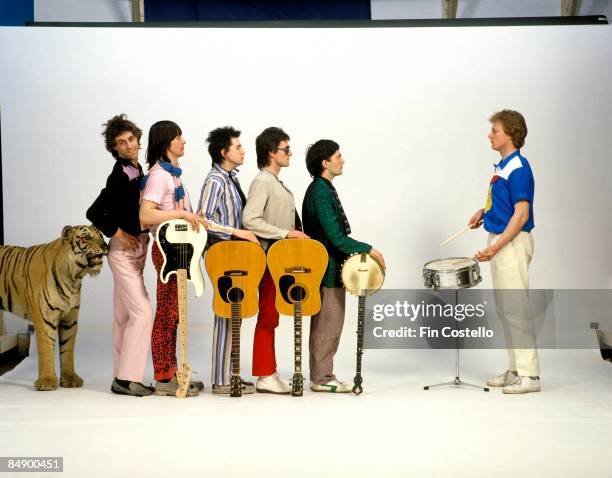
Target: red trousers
{"points": [[163, 338], [264, 356]]}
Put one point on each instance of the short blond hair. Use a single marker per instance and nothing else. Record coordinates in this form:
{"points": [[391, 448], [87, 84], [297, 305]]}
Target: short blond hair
{"points": [[513, 124]]}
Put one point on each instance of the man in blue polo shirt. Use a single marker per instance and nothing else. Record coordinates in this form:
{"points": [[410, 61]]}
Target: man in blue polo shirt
{"points": [[508, 217]]}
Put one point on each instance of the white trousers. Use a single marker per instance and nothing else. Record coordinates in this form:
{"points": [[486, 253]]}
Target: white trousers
{"points": [[510, 274]]}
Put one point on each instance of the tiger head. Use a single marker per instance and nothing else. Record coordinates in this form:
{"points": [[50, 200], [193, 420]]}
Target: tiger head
{"points": [[88, 246]]}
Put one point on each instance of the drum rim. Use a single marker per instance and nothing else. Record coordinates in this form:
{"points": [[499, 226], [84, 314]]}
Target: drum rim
{"points": [[425, 269]]}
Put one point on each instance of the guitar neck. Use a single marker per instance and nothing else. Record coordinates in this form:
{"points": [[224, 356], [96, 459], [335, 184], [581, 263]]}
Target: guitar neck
{"points": [[236, 322], [297, 335], [181, 282]]}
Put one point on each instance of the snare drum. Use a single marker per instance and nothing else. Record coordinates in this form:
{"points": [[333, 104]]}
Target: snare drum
{"points": [[451, 273]]}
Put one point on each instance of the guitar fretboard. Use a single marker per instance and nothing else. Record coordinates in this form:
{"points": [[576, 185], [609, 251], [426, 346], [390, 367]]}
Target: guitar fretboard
{"points": [[236, 324], [297, 335], [181, 282]]}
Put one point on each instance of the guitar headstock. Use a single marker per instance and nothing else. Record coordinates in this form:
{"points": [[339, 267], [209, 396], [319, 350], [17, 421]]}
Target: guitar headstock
{"points": [[297, 385], [235, 386], [183, 377]]}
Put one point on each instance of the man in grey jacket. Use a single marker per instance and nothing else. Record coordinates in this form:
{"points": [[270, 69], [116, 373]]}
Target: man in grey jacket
{"points": [[270, 213]]}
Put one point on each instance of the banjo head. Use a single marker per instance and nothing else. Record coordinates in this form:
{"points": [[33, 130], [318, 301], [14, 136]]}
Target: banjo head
{"points": [[362, 274]]}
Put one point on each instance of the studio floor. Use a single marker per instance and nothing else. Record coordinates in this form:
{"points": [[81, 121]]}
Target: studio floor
{"points": [[394, 428]]}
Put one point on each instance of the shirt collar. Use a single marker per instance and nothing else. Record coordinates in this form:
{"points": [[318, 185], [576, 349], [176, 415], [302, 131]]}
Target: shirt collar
{"points": [[507, 159], [231, 173], [325, 181], [127, 162], [272, 174]]}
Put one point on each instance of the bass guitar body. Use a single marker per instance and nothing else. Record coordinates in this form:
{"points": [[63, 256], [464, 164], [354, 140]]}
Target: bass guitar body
{"points": [[182, 248]]}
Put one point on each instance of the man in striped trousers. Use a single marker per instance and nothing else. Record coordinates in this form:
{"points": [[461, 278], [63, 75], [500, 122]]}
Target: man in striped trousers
{"points": [[221, 203]]}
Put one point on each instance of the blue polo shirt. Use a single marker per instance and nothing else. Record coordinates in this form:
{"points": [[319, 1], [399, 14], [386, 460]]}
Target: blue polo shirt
{"points": [[512, 182]]}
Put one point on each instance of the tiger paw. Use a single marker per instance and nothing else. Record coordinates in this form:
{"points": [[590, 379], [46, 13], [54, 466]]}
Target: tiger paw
{"points": [[71, 381], [46, 383]]}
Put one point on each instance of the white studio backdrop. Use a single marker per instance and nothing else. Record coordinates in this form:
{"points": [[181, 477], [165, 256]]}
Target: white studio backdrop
{"points": [[408, 106]]}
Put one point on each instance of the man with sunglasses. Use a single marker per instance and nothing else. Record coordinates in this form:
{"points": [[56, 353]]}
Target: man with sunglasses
{"points": [[270, 213]]}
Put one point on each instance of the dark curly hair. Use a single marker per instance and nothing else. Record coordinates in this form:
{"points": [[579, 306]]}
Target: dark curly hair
{"points": [[114, 127], [161, 135], [267, 141], [513, 124], [317, 153], [220, 139]]}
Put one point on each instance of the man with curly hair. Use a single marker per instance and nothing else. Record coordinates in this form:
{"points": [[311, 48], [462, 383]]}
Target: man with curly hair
{"points": [[115, 213]]}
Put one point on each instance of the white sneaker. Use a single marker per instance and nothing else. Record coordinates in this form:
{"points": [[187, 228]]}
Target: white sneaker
{"points": [[503, 379], [287, 383], [523, 384], [273, 384], [333, 386]]}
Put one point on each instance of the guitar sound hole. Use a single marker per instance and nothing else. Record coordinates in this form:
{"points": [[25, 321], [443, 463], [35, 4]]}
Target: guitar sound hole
{"points": [[235, 295], [297, 293]]}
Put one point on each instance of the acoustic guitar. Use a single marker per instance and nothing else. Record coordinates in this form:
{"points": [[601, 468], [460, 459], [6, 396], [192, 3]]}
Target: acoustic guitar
{"points": [[362, 275], [297, 267], [182, 248], [235, 269]]}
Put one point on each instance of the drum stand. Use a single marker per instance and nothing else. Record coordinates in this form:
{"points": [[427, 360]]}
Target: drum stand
{"points": [[456, 382]]}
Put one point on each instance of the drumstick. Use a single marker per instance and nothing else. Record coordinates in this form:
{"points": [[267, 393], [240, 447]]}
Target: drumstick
{"points": [[455, 236]]}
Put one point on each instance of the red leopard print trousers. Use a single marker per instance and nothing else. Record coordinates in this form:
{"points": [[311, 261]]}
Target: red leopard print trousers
{"points": [[163, 338]]}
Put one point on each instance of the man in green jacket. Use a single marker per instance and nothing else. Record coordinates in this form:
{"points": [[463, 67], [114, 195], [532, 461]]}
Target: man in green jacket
{"points": [[325, 220]]}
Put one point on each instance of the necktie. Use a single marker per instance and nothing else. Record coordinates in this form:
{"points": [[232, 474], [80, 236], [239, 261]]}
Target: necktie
{"points": [[237, 184]]}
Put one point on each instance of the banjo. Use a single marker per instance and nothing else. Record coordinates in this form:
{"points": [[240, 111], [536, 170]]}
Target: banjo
{"points": [[362, 275]]}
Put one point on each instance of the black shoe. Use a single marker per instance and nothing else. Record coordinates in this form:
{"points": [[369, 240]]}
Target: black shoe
{"points": [[134, 389]]}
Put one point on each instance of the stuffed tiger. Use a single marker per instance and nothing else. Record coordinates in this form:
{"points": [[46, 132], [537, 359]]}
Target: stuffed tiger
{"points": [[43, 284]]}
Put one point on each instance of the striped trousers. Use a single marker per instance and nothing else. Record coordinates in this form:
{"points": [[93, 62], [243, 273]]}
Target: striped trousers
{"points": [[221, 349]]}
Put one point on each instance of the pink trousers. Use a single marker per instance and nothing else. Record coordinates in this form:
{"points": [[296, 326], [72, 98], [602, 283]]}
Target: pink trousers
{"points": [[132, 311]]}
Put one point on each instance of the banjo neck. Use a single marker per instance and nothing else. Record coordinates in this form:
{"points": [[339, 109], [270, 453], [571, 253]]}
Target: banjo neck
{"points": [[357, 381]]}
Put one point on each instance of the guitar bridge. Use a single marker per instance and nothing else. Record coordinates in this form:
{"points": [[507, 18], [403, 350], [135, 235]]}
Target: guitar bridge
{"points": [[236, 273], [297, 270]]}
